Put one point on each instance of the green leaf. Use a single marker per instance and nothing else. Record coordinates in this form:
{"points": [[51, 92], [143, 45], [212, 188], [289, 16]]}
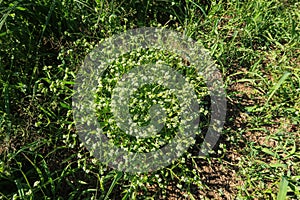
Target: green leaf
{"points": [[277, 86], [276, 165], [268, 151], [64, 105], [283, 186], [116, 178], [3, 34], [20, 8]]}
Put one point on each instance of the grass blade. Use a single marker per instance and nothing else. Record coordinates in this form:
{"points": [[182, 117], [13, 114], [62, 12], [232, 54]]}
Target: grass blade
{"points": [[116, 178], [283, 186], [277, 86]]}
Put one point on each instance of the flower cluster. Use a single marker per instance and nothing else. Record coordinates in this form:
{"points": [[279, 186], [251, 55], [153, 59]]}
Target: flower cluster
{"points": [[148, 101]]}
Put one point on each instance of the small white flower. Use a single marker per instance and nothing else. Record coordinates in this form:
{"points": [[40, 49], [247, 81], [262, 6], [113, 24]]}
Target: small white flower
{"points": [[36, 183]]}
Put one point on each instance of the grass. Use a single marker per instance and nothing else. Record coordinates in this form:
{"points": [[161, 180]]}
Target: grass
{"points": [[256, 45]]}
